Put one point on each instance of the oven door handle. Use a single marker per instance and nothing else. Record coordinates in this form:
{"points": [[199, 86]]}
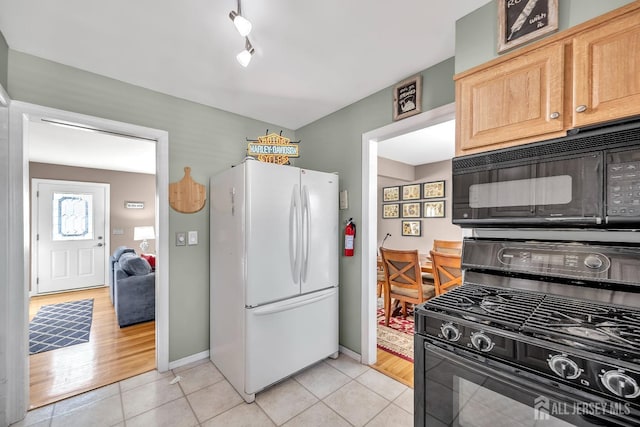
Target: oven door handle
{"points": [[569, 395]]}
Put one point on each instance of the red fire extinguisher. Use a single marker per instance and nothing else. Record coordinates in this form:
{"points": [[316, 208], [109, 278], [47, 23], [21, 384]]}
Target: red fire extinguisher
{"points": [[349, 237]]}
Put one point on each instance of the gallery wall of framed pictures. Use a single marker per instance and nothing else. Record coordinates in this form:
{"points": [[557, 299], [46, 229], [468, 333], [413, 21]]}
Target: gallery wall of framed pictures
{"points": [[412, 202]]}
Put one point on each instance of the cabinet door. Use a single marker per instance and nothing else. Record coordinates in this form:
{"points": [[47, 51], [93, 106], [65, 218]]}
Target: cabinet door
{"points": [[606, 68], [521, 98]]}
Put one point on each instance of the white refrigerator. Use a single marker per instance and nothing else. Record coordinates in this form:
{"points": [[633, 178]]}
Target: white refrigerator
{"points": [[274, 272]]}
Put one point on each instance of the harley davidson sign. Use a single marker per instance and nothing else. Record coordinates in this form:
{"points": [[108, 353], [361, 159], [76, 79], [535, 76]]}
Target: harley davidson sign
{"points": [[273, 148]]}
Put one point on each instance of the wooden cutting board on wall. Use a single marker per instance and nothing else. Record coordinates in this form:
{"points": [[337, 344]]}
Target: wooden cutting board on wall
{"points": [[186, 195]]}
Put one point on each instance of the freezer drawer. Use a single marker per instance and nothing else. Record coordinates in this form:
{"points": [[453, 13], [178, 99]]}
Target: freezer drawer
{"points": [[289, 335]]}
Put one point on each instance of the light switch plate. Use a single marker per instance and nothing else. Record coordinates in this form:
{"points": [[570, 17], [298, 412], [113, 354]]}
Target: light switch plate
{"points": [[181, 238], [344, 199], [193, 238]]}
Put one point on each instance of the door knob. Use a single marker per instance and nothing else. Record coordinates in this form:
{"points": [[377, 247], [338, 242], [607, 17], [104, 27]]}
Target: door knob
{"points": [[581, 108], [554, 115], [100, 245]]}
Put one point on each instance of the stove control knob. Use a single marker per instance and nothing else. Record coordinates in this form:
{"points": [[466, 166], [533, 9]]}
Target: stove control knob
{"points": [[620, 384], [450, 332], [593, 262], [564, 367], [482, 342]]}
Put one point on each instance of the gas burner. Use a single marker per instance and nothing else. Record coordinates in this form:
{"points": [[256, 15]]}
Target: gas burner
{"points": [[587, 332], [494, 303], [463, 302]]}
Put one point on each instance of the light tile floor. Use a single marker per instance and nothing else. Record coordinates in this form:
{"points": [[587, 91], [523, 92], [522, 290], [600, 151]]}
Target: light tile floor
{"points": [[334, 393]]}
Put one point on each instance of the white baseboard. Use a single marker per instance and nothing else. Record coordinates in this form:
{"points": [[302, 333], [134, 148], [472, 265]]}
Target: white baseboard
{"points": [[352, 354], [189, 359]]}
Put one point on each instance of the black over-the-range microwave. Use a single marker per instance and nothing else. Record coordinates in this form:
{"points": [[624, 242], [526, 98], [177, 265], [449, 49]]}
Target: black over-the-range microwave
{"points": [[588, 179]]}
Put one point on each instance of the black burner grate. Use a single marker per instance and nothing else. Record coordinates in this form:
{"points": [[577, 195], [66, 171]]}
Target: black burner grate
{"points": [[586, 321], [502, 306], [572, 321]]}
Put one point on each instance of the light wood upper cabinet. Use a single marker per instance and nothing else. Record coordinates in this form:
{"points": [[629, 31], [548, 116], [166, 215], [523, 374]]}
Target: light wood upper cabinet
{"points": [[606, 70], [585, 75], [519, 98]]}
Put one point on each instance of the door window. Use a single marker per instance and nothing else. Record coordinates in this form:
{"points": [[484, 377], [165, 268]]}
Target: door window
{"points": [[72, 216]]}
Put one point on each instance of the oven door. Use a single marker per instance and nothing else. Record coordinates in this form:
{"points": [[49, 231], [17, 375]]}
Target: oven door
{"points": [[537, 192], [453, 389]]}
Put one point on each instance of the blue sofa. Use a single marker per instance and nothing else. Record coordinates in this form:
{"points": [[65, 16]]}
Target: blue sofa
{"points": [[134, 288]]}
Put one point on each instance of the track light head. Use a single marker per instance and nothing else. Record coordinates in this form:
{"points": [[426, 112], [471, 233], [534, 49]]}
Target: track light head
{"points": [[244, 57], [242, 24]]}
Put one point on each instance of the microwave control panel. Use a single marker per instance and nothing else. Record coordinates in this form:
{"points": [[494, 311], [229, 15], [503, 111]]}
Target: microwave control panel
{"points": [[623, 189]]}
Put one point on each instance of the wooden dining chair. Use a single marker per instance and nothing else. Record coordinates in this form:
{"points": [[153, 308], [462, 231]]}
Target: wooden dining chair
{"points": [[403, 280], [448, 246], [381, 280], [447, 271]]}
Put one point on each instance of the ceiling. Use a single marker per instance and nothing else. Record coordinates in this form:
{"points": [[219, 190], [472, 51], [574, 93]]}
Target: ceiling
{"points": [[429, 145], [312, 57], [72, 146]]}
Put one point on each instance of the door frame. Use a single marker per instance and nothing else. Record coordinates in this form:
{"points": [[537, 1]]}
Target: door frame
{"points": [[35, 214], [370, 211], [20, 114]]}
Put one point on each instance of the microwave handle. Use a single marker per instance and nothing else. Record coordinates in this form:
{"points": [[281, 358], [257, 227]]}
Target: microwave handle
{"points": [[525, 221], [596, 219]]}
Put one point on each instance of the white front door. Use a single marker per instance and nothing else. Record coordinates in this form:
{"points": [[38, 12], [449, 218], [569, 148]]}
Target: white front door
{"points": [[68, 235]]}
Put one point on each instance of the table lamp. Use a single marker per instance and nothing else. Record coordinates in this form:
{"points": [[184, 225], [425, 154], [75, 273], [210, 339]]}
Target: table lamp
{"points": [[143, 233]]}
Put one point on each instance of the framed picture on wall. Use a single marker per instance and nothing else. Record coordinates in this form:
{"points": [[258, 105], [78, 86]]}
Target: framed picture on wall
{"points": [[522, 21], [391, 194], [411, 192], [411, 228], [391, 210], [407, 97], [433, 209], [431, 190], [411, 210]]}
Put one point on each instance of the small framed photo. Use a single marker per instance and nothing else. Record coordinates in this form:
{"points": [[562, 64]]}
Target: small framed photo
{"points": [[391, 194], [411, 210], [433, 209], [411, 228], [407, 97], [522, 21], [432, 190], [411, 192], [391, 210]]}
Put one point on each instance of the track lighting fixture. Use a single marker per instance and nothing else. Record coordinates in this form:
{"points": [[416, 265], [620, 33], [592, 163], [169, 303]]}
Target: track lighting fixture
{"points": [[244, 57], [242, 24]]}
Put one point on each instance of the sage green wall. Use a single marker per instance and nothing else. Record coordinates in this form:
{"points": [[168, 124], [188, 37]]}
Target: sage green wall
{"points": [[4, 60], [206, 139], [477, 32], [334, 144]]}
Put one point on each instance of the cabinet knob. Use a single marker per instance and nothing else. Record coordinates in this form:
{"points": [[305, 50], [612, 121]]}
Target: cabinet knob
{"points": [[581, 108], [554, 115]]}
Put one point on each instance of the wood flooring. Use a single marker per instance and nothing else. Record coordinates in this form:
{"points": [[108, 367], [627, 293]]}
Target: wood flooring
{"points": [[111, 355], [394, 367]]}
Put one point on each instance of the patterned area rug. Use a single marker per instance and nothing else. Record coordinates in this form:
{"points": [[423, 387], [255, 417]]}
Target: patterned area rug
{"points": [[397, 338], [60, 325]]}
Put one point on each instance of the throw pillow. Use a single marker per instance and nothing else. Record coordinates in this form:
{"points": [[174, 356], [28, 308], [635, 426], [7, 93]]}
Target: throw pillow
{"points": [[151, 259], [133, 265]]}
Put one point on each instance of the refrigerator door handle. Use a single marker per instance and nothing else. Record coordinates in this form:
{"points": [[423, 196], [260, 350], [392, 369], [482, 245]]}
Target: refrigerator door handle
{"points": [[306, 232], [281, 306], [294, 234]]}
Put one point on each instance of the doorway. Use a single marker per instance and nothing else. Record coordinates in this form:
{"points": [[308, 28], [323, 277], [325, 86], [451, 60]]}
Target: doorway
{"points": [[370, 214], [21, 114]]}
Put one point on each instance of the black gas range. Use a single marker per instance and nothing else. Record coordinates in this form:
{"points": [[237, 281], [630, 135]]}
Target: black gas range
{"points": [[540, 333]]}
